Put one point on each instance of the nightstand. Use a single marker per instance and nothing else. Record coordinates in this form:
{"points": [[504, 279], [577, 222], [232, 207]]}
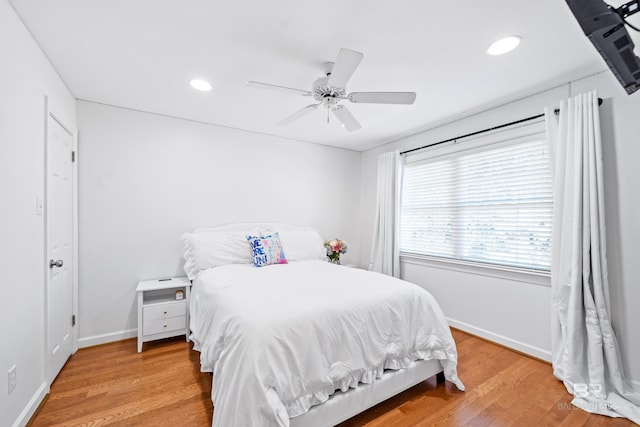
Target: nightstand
{"points": [[160, 314]]}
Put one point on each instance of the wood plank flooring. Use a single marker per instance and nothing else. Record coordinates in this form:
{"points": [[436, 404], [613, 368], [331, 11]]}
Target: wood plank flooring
{"points": [[113, 385]]}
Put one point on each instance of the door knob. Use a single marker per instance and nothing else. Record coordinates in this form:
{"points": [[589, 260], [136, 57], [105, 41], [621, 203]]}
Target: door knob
{"points": [[57, 263]]}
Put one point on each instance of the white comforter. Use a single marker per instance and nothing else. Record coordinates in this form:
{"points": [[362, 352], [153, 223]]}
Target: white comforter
{"points": [[282, 338]]}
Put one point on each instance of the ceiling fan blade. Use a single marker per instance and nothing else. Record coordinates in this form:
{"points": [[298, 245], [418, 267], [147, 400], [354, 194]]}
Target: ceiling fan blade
{"points": [[298, 114], [346, 63], [382, 97], [346, 118], [277, 88]]}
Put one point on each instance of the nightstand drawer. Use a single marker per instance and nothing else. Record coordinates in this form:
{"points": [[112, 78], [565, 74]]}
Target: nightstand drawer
{"points": [[156, 326], [161, 311]]}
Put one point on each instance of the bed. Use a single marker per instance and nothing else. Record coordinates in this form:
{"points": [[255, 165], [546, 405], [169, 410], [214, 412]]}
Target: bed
{"points": [[304, 342]]}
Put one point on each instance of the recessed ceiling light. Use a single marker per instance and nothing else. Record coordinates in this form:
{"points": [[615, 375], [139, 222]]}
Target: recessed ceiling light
{"points": [[504, 45], [200, 85]]}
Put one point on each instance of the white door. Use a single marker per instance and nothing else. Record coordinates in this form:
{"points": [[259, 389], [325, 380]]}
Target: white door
{"points": [[59, 247]]}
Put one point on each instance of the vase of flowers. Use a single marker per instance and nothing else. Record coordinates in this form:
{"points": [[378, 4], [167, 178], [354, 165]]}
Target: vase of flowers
{"points": [[335, 247]]}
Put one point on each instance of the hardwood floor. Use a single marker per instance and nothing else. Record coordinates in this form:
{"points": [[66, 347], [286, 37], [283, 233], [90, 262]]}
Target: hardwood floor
{"points": [[113, 385]]}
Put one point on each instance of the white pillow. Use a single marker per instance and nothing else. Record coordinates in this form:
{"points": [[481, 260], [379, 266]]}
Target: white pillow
{"points": [[212, 249], [302, 245]]}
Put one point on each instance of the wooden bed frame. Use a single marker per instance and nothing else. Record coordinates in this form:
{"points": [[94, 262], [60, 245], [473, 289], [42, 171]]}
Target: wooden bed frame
{"points": [[342, 406]]}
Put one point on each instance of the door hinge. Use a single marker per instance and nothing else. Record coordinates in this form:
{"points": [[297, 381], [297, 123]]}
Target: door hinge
{"points": [[73, 156], [73, 320]]}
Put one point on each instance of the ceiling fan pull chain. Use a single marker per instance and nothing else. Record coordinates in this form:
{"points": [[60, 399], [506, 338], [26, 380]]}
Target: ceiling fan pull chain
{"points": [[328, 115]]}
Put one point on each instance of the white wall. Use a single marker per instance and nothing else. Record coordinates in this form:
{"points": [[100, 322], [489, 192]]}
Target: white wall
{"points": [[145, 179], [517, 313], [25, 78]]}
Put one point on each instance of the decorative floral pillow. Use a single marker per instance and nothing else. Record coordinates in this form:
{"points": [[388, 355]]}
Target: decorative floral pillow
{"points": [[267, 250]]}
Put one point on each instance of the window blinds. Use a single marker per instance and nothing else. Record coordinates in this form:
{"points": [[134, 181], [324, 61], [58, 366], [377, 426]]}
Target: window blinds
{"points": [[489, 204]]}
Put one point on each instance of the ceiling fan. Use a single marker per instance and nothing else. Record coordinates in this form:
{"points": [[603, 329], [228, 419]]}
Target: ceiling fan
{"points": [[328, 91]]}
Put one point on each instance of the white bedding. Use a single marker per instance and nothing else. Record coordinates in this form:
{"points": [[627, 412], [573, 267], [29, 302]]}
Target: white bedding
{"points": [[282, 338]]}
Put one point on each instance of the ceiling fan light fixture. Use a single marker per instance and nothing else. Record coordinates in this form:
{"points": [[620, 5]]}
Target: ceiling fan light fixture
{"points": [[504, 45], [201, 85], [329, 91]]}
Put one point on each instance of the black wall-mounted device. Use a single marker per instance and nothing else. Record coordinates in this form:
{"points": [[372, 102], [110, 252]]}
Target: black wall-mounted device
{"points": [[605, 27]]}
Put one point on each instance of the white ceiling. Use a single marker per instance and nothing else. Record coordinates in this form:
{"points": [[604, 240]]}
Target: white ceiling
{"points": [[142, 54]]}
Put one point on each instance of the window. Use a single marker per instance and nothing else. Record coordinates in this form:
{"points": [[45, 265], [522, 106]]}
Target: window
{"points": [[486, 201]]}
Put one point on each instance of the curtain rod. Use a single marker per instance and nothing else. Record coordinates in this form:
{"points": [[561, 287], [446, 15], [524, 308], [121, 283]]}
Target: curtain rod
{"points": [[557, 110]]}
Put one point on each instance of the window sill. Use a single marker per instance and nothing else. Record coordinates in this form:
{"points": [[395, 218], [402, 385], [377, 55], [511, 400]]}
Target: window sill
{"points": [[542, 278]]}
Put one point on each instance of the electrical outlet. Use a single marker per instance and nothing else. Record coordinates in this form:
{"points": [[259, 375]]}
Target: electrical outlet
{"points": [[12, 379]]}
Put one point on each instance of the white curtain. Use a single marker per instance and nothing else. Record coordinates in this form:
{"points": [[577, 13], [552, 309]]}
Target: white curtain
{"points": [[385, 255], [585, 353]]}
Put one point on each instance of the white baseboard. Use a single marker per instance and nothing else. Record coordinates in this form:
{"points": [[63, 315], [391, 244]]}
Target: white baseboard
{"points": [[525, 348], [106, 338], [31, 407]]}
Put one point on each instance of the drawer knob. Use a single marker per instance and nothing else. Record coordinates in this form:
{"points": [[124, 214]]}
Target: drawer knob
{"points": [[164, 326], [165, 312]]}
